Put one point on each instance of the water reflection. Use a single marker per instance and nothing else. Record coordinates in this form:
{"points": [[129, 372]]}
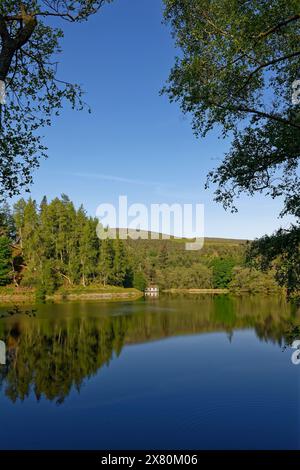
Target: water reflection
{"points": [[65, 344]]}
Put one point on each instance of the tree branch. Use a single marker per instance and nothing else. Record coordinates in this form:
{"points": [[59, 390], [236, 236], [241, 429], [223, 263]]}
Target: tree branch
{"points": [[215, 27], [29, 23], [3, 30], [267, 64], [264, 34], [249, 110], [46, 13], [279, 26], [256, 112], [55, 13]]}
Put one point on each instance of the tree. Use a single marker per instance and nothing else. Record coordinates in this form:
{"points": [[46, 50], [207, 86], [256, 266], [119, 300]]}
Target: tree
{"points": [[281, 251], [7, 226], [163, 257], [252, 280], [119, 263], [48, 280], [18, 215], [222, 272], [88, 245], [106, 261], [198, 276], [66, 241], [237, 71], [5, 260], [29, 46], [27, 223], [139, 281]]}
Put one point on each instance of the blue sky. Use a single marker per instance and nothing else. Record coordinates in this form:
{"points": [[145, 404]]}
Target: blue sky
{"points": [[135, 142]]}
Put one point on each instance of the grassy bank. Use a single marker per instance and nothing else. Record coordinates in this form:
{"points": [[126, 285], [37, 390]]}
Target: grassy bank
{"points": [[94, 292], [196, 291], [13, 295], [19, 295]]}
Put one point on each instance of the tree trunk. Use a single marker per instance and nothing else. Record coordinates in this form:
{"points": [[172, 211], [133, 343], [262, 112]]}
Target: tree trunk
{"points": [[6, 57], [10, 45]]}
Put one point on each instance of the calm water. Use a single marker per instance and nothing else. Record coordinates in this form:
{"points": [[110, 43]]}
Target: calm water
{"points": [[173, 373]]}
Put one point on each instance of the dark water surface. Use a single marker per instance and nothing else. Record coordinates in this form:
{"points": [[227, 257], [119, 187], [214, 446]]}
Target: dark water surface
{"points": [[169, 373]]}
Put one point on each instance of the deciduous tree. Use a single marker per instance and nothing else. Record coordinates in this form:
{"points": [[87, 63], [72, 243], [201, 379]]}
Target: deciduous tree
{"points": [[238, 71]]}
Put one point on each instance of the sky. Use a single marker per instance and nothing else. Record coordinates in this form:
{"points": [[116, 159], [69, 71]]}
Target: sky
{"points": [[135, 143]]}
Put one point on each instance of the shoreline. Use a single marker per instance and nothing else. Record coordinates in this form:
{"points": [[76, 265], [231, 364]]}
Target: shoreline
{"points": [[28, 296], [196, 291], [97, 296], [14, 295]]}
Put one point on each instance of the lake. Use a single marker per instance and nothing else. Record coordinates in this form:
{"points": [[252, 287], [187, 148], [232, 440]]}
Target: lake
{"points": [[178, 372]]}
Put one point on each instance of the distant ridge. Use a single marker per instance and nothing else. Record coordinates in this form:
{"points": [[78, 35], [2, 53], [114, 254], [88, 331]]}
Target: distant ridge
{"points": [[154, 236]]}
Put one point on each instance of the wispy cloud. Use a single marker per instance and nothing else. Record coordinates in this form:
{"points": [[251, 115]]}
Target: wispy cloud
{"points": [[159, 189], [116, 179]]}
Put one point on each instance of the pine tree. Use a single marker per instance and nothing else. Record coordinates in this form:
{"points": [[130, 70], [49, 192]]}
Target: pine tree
{"points": [[139, 281], [120, 263], [31, 245], [64, 237], [18, 215], [88, 246], [106, 261], [163, 256], [27, 221], [5, 260], [49, 280], [7, 225]]}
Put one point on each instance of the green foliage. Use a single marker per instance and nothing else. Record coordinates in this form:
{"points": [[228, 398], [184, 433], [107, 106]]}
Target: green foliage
{"points": [[88, 246], [7, 226], [40, 294], [5, 261], [238, 63], [119, 263], [163, 256], [139, 281], [49, 281], [106, 261], [222, 272], [197, 276], [251, 280], [60, 246], [282, 251]]}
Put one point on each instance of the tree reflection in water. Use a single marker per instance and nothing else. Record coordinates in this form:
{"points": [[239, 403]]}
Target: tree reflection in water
{"points": [[55, 351]]}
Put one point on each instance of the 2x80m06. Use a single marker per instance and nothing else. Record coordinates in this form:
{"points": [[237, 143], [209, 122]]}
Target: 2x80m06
{"points": [[162, 459]]}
